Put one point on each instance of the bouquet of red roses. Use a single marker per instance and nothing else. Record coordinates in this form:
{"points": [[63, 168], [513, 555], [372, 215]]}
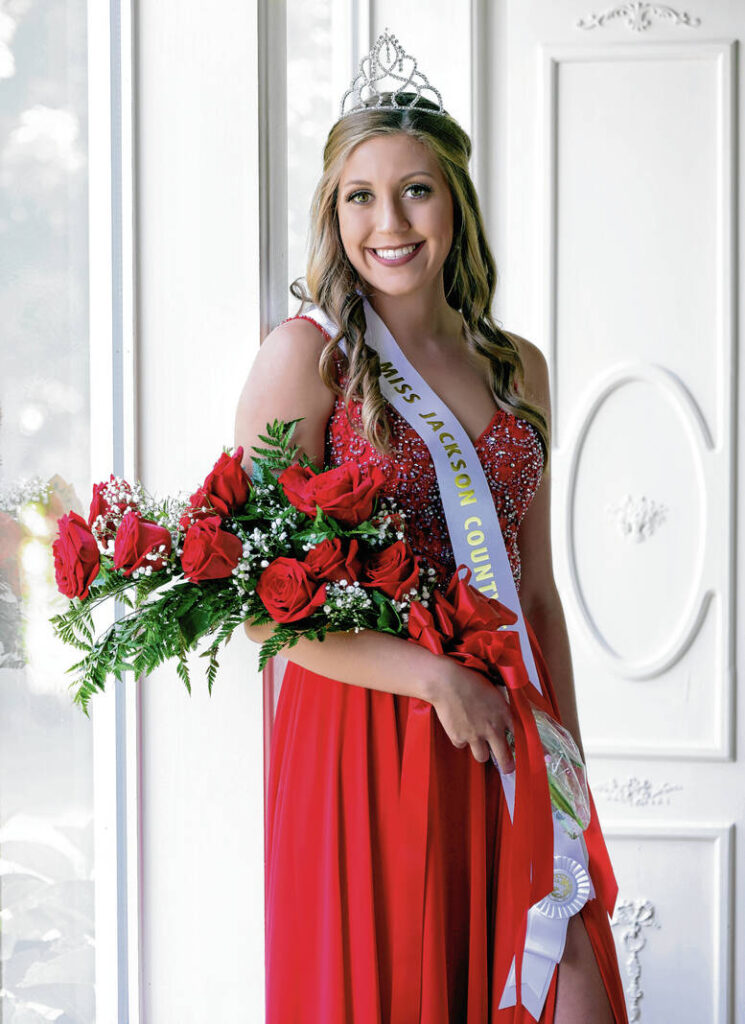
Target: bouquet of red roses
{"points": [[305, 549]]}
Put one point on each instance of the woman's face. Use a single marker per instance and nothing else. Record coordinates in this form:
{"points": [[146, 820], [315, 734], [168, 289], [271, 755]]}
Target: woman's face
{"points": [[392, 194]]}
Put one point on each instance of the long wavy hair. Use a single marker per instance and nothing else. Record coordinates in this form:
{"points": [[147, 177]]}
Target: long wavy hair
{"points": [[470, 274]]}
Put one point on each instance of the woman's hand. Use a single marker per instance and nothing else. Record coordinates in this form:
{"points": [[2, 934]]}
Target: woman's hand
{"points": [[473, 710]]}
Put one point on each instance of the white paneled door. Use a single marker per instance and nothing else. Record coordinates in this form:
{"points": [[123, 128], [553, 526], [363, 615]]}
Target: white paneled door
{"points": [[613, 137]]}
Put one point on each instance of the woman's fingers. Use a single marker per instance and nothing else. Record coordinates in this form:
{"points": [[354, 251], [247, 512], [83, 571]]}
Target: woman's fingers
{"points": [[498, 742], [480, 750]]}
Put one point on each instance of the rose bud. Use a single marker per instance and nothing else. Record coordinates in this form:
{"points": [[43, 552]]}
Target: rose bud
{"points": [[289, 591], [138, 542], [295, 481], [209, 552], [76, 558], [227, 486], [394, 570]]}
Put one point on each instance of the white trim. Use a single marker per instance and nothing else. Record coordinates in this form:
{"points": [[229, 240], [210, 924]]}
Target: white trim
{"points": [[115, 713], [363, 17], [479, 97], [272, 117]]}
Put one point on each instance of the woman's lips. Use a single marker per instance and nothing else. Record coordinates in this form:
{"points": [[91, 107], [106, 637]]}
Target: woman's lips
{"points": [[400, 260]]}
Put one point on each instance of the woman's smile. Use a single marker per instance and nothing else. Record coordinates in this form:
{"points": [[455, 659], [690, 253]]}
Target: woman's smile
{"points": [[395, 257]]}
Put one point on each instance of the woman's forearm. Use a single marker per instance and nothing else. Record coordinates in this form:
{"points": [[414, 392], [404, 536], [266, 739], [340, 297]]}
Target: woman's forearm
{"points": [[379, 661], [549, 625]]}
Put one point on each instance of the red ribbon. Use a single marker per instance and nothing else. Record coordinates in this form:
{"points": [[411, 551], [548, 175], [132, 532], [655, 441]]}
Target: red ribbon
{"points": [[529, 851], [408, 911], [532, 846]]}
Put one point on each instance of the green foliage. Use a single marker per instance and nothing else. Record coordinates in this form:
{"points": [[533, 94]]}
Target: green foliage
{"points": [[279, 452], [283, 636], [388, 620]]}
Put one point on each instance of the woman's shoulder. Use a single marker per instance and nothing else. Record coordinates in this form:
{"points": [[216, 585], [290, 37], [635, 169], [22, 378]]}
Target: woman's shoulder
{"points": [[535, 368], [290, 353], [300, 326], [305, 327]]}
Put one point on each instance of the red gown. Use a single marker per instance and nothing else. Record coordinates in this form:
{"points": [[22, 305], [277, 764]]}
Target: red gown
{"points": [[372, 917]]}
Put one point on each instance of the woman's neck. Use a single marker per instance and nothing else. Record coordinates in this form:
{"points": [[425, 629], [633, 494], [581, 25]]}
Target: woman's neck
{"points": [[417, 321]]}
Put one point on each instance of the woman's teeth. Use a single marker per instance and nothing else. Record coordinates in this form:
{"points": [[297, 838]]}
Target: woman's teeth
{"points": [[394, 254]]}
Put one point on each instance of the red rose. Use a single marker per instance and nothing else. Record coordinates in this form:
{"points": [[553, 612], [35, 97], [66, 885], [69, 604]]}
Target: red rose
{"points": [[394, 570], [347, 493], [209, 552], [111, 499], [294, 482], [329, 560], [227, 485], [138, 544], [76, 557], [289, 591]]}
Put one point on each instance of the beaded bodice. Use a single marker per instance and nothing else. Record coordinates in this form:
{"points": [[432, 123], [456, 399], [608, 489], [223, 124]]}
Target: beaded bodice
{"points": [[509, 449]]}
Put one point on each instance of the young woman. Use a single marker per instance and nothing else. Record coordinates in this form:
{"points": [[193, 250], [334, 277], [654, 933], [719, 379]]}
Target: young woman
{"points": [[396, 223]]}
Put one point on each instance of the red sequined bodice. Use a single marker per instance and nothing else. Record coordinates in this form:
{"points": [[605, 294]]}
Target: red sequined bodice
{"points": [[509, 449]]}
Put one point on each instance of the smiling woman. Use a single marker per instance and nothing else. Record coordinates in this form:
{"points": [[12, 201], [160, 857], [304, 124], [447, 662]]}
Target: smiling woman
{"points": [[404, 909]]}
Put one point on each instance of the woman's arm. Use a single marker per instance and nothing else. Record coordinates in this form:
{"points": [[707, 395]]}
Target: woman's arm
{"points": [[379, 661], [539, 597]]}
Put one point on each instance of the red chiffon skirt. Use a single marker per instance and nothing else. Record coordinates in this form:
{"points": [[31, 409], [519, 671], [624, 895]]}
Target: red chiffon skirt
{"points": [[374, 917]]}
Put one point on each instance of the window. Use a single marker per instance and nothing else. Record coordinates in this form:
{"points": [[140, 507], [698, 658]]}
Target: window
{"points": [[47, 899]]}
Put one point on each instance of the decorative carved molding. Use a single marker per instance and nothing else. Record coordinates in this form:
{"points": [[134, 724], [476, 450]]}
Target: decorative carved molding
{"points": [[699, 443], [634, 915], [637, 16], [637, 518], [638, 792]]}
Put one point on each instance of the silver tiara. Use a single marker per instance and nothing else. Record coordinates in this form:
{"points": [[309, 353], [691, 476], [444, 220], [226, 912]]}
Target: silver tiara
{"points": [[375, 67]]}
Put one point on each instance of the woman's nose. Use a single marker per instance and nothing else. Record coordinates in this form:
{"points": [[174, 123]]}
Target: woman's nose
{"points": [[391, 216]]}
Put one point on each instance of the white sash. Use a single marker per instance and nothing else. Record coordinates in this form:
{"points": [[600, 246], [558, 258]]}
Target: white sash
{"points": [[477, 541]]}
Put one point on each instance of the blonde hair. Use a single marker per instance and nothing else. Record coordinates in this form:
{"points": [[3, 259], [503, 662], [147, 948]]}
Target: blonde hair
{"points": [[470, 275]]}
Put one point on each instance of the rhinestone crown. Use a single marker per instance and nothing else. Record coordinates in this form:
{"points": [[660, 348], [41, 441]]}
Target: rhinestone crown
{"points": [[375, 67]]}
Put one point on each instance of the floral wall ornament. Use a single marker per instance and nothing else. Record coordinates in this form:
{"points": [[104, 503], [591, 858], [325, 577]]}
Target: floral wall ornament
{"points": [[633, 915], [638, 792], [637, 518], [637, 15]]}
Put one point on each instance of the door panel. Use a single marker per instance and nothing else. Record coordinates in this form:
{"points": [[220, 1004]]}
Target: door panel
{"points": [[612, 155]]}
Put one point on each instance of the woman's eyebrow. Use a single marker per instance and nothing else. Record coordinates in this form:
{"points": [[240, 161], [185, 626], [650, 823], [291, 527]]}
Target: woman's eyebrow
{"points": [[411, 174]]}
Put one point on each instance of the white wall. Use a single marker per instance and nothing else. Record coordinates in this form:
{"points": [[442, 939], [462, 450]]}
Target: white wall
{"points": [[202, 785]]}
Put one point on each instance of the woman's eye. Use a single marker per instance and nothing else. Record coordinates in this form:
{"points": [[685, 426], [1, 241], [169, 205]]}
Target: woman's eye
{"points": [[423, 190]]}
